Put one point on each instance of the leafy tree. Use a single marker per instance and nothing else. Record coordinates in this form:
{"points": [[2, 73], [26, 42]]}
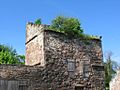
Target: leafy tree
{"points": [[8, 55], [69, 26], [21, 59], [110, 69], [38, 21]]}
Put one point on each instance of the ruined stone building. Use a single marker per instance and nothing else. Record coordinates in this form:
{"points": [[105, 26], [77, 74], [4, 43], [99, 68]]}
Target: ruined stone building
{"points": [[115, 82], [55, 62]]}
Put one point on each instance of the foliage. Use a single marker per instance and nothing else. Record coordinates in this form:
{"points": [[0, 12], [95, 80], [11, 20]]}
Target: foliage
{"points": [[86, 36], [21, 59], [108, 73], [68, 26], [110, 69], [38, 21], [8, 55]]}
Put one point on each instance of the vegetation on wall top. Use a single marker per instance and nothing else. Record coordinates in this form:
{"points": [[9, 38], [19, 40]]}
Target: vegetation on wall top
{"points": [[38, 21], [69, 26]]}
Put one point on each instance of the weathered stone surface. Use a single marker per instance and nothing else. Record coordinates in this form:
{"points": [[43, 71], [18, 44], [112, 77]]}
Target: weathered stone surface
{"points": [[115, 82], [57, 62], [34, 51]]}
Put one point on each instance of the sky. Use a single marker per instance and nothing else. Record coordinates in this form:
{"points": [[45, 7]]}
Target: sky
{"points": [[97, 17]]}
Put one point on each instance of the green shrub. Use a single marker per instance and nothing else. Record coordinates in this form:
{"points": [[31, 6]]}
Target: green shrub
{"points": [[38, 21], [68, 26]]}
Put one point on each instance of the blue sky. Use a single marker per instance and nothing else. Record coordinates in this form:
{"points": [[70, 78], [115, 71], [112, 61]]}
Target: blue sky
{"points": [[97, 17]]}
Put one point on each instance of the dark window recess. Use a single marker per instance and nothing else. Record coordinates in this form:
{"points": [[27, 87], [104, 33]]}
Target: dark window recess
{"points": [[98, 67], [86, 69], [23, 87], [79, 88], [71, 65]]}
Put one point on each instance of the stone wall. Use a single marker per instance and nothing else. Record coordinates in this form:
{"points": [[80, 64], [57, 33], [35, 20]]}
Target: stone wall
{"points": [[20, 73], [80, 60], [57, 62], [115, 82]]}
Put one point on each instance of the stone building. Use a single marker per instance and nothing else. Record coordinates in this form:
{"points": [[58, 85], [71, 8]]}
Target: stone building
{"points": [[55, 61], [115, 82]]}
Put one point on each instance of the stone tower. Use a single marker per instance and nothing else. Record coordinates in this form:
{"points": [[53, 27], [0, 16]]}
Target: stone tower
{"points": [[70, 63], [34, 44], [55, 61]]}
